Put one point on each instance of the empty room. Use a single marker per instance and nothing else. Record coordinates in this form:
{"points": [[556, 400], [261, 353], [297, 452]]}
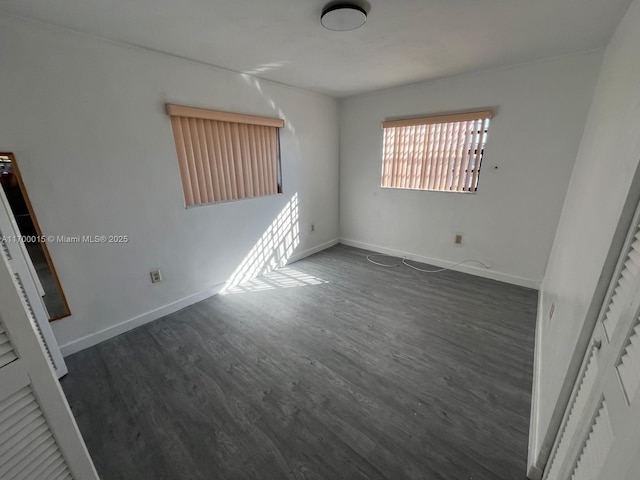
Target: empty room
{"points": [[312, 239]]}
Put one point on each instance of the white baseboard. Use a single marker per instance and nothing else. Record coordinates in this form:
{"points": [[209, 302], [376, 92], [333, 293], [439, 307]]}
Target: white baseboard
{"points": [[310, 251], [480, 272], [534, 472], [114, 330]]}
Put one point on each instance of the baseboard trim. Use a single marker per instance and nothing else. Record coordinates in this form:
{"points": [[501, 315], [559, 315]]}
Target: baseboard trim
{"points": [[534, 472], [480, 272], [100, 336], [310, 251]]}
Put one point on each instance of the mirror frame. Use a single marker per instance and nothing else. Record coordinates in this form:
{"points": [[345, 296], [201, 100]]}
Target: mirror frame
{"points": [[36, 225]]}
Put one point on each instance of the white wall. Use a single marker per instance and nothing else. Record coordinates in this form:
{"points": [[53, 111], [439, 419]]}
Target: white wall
{"points": [[599, 189], [510, 223], [85, 118]]}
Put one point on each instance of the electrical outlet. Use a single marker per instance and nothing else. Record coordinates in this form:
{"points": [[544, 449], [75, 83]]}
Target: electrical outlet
{"points": [[458, 240], [313, 227], [156, 277]]}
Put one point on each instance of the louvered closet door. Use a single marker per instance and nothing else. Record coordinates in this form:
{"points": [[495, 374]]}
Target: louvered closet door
{"points": [[18, 258], [599, 438], [39, 439]]}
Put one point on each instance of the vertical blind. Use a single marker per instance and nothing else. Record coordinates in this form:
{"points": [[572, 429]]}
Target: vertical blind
{"points": [[435, 153], [225, 156]]}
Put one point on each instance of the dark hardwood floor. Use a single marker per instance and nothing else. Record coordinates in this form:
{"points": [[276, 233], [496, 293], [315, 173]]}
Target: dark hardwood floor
{"points": [[333, 368]]}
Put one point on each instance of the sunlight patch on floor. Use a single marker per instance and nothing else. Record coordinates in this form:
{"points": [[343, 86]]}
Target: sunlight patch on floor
{"points": [[286, 277]]}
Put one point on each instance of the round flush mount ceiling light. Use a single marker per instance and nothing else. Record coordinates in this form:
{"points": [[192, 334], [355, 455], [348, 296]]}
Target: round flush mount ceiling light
{"points": [[343, 17]]}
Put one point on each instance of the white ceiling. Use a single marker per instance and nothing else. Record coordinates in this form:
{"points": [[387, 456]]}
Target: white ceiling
{"points": [[403, 41]]}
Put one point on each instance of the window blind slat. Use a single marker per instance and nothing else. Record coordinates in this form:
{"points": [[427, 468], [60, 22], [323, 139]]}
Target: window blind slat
{"points": [[264, 165], [253, 158], [227, 151], [450, 159], [455, 154], [266, 175], [397, 147], [416, 157], [253, 163], [406, 171], [273, 149], [186, 133], [246, 159], [386, 157], [444, 140], [182, 160], [478, 158], [239, 162], [472, 156], [206, 165], [217, 183], [233, 168], [195, 138], [437, 143], [257, 172], [221, 163], [418, 145], [264, 147], [403, 159], [408, 149], [435, 156], [427, 153], [238, 148], [461, 141], [444, 133], [464, 155], [405, 155], [406, 158], [467, 157]]}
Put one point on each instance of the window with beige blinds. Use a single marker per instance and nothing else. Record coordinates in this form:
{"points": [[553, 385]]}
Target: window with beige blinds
{"points": [[435, 153], [225, 156]]}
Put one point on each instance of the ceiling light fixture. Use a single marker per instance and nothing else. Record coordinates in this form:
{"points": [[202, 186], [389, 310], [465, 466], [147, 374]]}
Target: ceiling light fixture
{"points": [[343, 17]]}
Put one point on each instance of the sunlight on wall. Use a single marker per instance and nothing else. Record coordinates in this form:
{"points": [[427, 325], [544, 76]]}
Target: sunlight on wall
{"points": [[282, 278], [256, 83], [266, 67], [273, 249]]}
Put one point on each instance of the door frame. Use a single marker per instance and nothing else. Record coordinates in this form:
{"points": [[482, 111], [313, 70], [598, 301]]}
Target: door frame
{"points": [[34, 219]]}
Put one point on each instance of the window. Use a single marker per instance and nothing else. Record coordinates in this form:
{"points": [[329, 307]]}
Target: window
{"points": [[225, 156], [435, 153]]}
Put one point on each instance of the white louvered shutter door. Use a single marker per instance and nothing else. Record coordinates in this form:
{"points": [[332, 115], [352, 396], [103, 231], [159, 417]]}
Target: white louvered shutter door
{"points": [[39, 439], [599, 436], [18, 258]]}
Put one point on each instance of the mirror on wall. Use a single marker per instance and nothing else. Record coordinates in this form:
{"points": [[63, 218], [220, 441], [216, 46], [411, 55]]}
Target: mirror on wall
{"points": [[17, 205]]}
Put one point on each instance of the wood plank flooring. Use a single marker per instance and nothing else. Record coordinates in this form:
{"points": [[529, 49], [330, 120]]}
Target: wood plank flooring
{"points": [[334, 368]]}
